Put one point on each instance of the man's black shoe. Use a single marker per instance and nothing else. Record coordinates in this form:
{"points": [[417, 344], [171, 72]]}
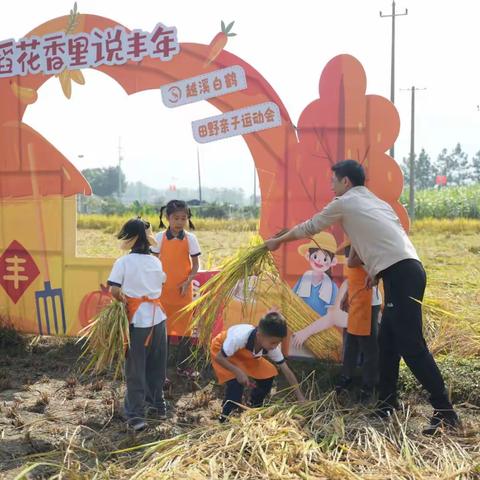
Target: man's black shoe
{"points": [[443, 420]]}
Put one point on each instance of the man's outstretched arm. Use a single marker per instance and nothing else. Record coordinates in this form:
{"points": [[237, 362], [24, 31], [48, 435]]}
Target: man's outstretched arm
{"points": [[331, 214]]}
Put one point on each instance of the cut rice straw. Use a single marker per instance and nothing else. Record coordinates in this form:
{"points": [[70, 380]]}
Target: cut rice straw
{"points": [[106, 340], [268, 290], [315, 440]]}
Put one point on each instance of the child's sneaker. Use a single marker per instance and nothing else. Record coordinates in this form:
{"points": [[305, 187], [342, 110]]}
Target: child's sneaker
{"points": [[188, 372], [167, 384], [343, 384], [137, 424], [367, 394], [157, 413]]}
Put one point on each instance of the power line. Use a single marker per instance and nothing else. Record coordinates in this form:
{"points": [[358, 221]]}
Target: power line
{"points": [[393, 15]]}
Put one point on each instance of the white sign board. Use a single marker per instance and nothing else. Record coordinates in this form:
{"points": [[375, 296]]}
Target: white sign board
{"points": [[202, 87], [55, 52], [237, 122]]}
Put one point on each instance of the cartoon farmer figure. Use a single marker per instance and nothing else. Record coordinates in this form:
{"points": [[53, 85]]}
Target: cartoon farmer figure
{"points": [[315, 286], [317, 289]]}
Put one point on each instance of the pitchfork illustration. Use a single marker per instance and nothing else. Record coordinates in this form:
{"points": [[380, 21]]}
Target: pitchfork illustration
{"points": [[42, 297]]}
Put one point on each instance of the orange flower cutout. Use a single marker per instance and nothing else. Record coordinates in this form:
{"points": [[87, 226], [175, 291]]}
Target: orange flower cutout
{"points": [[345, 123]]}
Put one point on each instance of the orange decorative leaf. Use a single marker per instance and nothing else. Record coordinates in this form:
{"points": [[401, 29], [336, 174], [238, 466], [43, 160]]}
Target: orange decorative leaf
{"points": [[66, 83], [77, 76], [26, 95]]}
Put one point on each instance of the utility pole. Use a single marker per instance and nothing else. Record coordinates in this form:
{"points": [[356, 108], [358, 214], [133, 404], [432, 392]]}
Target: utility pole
{"points": [[199, 177], [411, 200], [254, 186], [120, 158], [392, 66]]}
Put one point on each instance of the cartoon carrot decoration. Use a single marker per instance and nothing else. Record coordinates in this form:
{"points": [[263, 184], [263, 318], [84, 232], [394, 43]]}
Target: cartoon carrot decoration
{"points": [[218, 43]]}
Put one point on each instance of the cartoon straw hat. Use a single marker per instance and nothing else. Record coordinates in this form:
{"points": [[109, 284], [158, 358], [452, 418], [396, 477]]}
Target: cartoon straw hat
{"points": [[346, 243], [325, 241]]}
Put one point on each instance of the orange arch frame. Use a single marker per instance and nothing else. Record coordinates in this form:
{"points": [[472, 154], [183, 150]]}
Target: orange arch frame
{"points": [[293, 162]]}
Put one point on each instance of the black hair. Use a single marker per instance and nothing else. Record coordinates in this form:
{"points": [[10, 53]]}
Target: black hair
{"points": [[273, 325], [136, 227], [176, 206], [311, 251], [350, 169]]}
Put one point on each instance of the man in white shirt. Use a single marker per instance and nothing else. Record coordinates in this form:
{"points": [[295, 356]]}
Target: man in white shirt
{"points": [[383, 245]]}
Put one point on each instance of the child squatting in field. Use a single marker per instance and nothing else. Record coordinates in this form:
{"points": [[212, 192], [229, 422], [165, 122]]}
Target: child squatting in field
{"points": [[237, 354], [136, 279]]}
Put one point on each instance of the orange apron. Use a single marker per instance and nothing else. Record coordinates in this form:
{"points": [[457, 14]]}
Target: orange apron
{"points": [[175, 258], [255, 367], [133, 303], [359, 302]]}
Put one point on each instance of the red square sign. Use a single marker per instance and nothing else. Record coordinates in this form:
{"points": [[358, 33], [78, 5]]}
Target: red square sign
{"points": [[17, 270]]}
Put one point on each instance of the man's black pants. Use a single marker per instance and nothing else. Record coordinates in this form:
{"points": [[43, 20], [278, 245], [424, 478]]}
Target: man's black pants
{"points": [[401, 334]]}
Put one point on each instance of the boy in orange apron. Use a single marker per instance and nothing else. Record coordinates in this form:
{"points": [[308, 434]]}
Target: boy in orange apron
{"points": [[136, 279], [363, 306], [237, 354], [179, 253]]}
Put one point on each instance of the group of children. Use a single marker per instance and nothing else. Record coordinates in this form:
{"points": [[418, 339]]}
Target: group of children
{"points": [[155, 282]]}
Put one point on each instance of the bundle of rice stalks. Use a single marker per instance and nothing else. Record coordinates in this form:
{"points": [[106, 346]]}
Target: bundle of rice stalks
{"points": [[268, 289], [274, 291], [219, 290], [106, 340]]}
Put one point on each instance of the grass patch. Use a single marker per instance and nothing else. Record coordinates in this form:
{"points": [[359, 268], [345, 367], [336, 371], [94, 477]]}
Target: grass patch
{"points": [[10, 338], [449, 202], [461, 375]]}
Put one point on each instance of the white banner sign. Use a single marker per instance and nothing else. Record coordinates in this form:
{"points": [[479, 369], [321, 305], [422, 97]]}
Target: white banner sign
{"points": [[237, 122], [55, 52], [203, 87]]}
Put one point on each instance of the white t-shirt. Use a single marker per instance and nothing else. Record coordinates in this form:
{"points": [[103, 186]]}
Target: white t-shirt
{"points": [[371, 224], [376, 296], [243, 336], [193, 245], [140, 275]]}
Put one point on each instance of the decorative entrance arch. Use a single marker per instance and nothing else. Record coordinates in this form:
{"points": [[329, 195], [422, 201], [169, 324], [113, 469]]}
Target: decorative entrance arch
{"points": [[38, 184]]}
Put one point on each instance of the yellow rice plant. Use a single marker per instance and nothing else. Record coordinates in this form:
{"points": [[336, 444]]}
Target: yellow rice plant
{"points": [[447, 225], [113, 223], [106, 339], [450, 332]]}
